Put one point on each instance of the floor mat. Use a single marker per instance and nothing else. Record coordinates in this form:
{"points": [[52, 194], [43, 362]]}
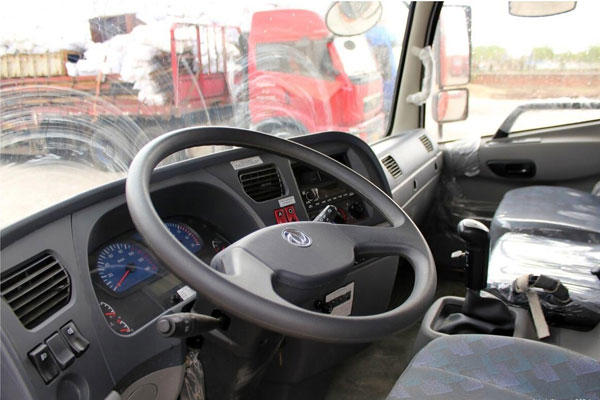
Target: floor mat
{"points": [[370, 374]]}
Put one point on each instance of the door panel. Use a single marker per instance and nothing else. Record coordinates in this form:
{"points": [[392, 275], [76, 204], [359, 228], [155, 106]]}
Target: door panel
{"points": [[563, 156]]}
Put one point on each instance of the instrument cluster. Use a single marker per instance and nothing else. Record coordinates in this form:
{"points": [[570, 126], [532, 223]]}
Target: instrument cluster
{"points": [[133, 286]]}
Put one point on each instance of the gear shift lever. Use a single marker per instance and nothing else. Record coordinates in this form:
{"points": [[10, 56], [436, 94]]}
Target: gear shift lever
{"points": [[477, 237], [480, 314]]}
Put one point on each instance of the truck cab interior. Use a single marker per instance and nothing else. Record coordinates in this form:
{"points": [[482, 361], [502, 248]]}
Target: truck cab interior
{"points": [[440, 243]]}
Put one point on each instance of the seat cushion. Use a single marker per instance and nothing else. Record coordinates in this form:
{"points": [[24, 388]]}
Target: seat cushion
{"points": [[497, 367], [549, 211]]}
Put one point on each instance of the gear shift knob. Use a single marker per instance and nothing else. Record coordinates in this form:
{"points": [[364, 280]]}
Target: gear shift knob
{"points": [[477, 237]]}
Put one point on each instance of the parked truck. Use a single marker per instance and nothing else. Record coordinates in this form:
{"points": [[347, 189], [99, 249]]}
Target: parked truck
{"points": [[202, 81]]}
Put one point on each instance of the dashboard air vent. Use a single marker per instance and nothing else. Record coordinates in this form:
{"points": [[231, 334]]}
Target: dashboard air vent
{"points": [[262, 183], [36, 290], [426, 143], [392, 166]]}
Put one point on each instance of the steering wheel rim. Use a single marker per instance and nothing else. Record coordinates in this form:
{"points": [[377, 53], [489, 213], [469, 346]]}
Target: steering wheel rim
{"points": [[244, 292]]}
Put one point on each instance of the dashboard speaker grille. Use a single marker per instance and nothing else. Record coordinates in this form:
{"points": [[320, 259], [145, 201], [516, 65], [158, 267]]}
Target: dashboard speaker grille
{"points": [[392, 166], [37, 290], [262, 183], [426, 143]]}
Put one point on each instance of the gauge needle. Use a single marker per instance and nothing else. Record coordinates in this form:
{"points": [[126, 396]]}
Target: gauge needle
{"points": [[122, 279]]}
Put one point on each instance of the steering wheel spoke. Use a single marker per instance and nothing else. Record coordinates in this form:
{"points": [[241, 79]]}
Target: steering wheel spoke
{"points": [[245, 271], [379, 241]]}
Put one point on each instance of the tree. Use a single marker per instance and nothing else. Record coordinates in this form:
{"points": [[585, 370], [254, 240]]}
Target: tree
{"points": [[489, 53], [592, 54], [542, 53]]}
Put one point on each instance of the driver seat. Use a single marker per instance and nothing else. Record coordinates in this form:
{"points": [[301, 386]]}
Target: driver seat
{"points": [[497, 367]]}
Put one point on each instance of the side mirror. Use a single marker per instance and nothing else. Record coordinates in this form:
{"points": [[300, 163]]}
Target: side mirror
{"points": [[450, 105], [453, 46], [349, 18]]}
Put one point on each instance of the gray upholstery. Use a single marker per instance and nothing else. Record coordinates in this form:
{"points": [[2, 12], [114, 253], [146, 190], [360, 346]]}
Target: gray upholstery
{"points": [[497, 367], [549, 211]]}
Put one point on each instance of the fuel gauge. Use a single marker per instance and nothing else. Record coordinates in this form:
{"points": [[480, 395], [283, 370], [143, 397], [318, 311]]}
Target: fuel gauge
{"points": [[116, 323]]}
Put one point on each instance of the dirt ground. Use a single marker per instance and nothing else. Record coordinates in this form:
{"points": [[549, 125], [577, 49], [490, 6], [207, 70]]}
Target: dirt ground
{"points": [[30, 187]]}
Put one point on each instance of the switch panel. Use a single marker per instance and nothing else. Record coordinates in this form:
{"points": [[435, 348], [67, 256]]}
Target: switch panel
{"points": [[286, 214]]}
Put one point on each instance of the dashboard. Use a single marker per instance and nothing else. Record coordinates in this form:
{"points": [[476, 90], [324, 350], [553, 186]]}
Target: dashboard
{"points": [[110, 287]]}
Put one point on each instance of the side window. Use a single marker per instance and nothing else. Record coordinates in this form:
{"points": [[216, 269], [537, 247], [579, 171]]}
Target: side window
{"points": [[549, 67]]}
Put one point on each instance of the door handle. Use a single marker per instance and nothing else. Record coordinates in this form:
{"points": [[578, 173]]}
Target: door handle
{"points": [[512, 168]]}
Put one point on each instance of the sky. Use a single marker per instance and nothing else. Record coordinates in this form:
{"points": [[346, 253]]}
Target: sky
{"points": [[66, 22], [574, 31]]}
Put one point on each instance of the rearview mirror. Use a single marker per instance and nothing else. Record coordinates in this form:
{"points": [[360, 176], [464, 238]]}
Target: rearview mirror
{"points": [[451, 105], [540, 8], [349, 18]]}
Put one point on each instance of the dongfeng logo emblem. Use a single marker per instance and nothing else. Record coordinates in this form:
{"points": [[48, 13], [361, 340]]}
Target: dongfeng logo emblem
{"points": [[296, 237]]}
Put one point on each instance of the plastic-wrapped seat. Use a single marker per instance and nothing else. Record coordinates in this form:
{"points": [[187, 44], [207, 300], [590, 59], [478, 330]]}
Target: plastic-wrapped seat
{"points": [[554, 212], [571, 262], [552, 231]]}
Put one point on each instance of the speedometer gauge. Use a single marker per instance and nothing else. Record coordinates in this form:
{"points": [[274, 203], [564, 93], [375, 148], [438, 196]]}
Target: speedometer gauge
{"points": [[122, 266], [186, 236]]}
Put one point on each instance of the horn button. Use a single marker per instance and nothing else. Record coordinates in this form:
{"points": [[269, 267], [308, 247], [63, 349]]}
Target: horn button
{"points": [[303, 254]]}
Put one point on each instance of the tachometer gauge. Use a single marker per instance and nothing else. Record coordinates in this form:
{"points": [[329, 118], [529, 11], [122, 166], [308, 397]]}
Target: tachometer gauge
{"points": [[116, 322], [185, 235], [121, 266]]}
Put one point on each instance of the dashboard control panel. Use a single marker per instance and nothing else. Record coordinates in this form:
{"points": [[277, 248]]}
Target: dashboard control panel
{"points": [[318, 190]]}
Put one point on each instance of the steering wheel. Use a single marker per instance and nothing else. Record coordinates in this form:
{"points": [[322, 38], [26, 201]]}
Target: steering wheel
{"points": [[241, 278]]}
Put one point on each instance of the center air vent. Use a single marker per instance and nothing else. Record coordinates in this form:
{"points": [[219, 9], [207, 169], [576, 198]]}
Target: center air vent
{"points": [[262, 183], [426, 143], [392, 166], [37, 290]]}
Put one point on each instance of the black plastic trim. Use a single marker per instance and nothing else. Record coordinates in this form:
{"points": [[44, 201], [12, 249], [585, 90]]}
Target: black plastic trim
{"points": [[409, 23]]}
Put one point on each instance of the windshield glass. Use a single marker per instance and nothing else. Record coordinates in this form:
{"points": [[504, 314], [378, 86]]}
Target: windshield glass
{"points": [[356, 53], [88, 84]]}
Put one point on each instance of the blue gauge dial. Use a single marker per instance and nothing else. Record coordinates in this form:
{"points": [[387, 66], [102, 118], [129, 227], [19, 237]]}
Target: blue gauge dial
{"points": [[123, 265], [188, 238]]}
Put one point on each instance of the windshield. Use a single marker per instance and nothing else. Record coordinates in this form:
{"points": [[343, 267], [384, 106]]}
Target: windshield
{"points": [[356, 53], [88, 84]]}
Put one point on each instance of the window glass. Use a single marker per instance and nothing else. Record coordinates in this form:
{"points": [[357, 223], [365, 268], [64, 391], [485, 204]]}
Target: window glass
{"points": [[307, 58], [88, 83], [518, 61]]}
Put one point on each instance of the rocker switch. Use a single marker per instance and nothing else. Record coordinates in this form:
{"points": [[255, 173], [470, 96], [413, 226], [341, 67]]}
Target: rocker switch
{"points": [[63, 355], [280, 217], [44, 362], [290, 212], [76, 341]]}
